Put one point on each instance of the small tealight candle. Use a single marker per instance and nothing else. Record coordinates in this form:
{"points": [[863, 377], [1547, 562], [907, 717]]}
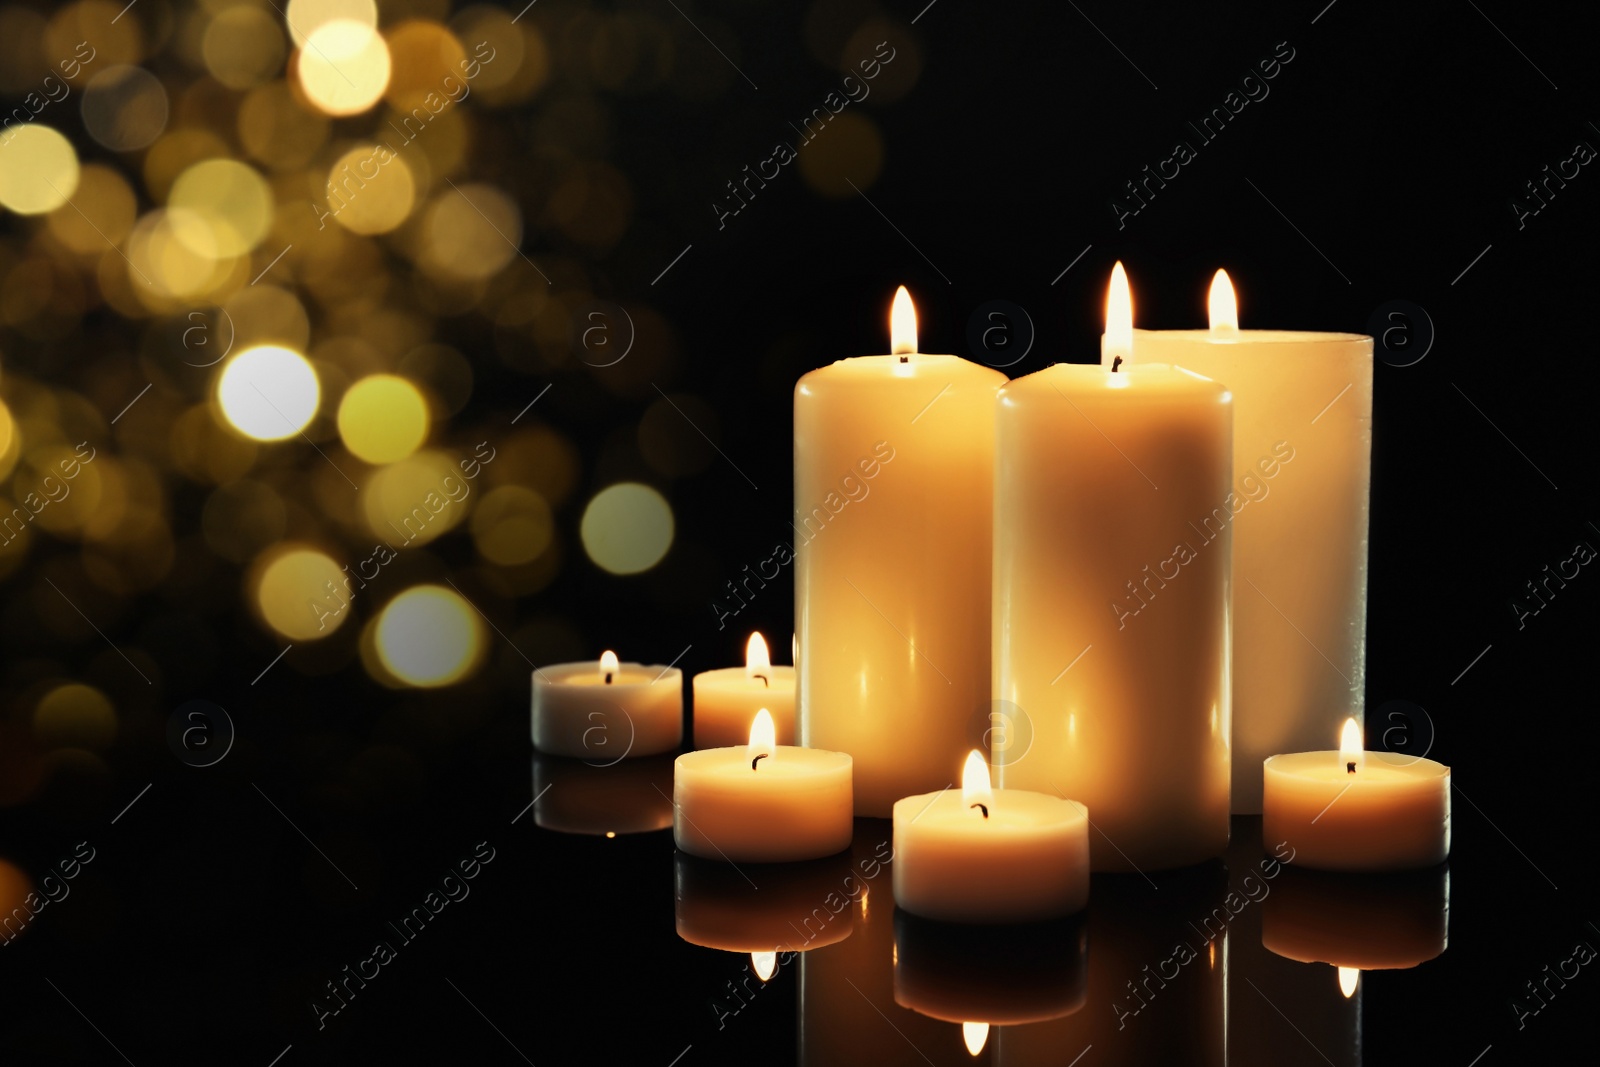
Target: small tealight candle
{"points": [[603, 711], [1353, 810], [988, 855], [725, 699], [762, 802]]}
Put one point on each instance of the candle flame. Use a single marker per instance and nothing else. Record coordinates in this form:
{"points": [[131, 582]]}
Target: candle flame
{"points": [[1351, 753], [757, 661], [764, 963], [763, 738], [976, 1035], [1223, 304], [608, 665], [902, 324], [975, 789], [1349, 978], [1119, 320]]}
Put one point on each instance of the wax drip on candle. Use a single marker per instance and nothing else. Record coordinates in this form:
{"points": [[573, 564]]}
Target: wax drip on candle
{"points": [[608, 666], [902, 325], [763, 738], [1350, 750]]}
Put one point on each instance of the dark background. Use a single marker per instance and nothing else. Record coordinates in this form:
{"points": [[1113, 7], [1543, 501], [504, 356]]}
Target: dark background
{"points": [[1395, 141]]}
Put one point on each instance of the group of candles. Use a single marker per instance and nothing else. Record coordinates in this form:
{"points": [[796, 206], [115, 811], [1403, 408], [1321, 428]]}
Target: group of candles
{"points": [[1052, 565]]}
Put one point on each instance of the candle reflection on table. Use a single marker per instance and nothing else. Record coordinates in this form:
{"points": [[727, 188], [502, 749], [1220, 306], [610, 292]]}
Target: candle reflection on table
{"points": [[1359, 922], [761, 908], [629, 796], [983, 976]]}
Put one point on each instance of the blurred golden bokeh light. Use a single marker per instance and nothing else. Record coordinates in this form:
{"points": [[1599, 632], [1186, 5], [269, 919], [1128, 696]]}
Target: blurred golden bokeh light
{"points": [[627, 528], [268, 393], [512, 526], [101, 214], [243, 46], [416, 499], [370, 190], [383, 418], [344, 67], [230, 205], [305, 17], [301, 593], [429, 636], [75, 716], [38, 169], [125, 108]]}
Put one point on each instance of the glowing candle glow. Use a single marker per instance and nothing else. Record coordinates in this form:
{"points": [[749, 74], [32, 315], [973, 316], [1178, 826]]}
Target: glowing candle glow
{"points": [[607, 710], [1358, 811], [760, 801], [724, 699]]}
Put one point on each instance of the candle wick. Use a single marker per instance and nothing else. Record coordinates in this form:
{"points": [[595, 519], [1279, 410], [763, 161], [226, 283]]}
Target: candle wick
{"points": [[763, 680], [981, 806], [608, 677], [1116, 364], [905, 359], [1350, 767], [758, 759]]}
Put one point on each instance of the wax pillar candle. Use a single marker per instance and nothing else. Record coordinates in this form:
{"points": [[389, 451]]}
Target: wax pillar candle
{"points": [[981, 855], [1302, 446], [726, 700], [1351, 810], [605, 711], [761, 802], [1111, 606], [894, 473]]}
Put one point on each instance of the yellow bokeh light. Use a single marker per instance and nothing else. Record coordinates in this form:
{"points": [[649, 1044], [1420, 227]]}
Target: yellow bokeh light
{"points": [[413, 501], [268, 393], [305, 17], [429, 636], [38, 169], [229, 199], [513, 525], [10, 441], [344, 67], [627, 528], [852, 152], [383, 418], [75, 716], [471, 232], [370, 190], [125, 108], [242, 46], [302, 594], [428, 67]]}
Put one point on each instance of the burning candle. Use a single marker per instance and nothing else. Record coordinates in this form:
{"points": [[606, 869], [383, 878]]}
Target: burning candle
{"points": [[987, 855], [1302, 447], [1111, 597], [1353, 810], [762, 802], [604, 711], [894, 476], [725, 699]]}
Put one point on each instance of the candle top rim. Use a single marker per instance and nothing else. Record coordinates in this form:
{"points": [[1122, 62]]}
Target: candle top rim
{"points": [[1254, 337], [1003, 805], [1142, 382], [912, 365], [587, 673], [1328, 765], [731, 763]]}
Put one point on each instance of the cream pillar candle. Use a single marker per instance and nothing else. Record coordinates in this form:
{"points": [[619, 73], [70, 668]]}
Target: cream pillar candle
{"points": [[1111, 609], [1352, 810], [1302, 448], [761, 802], [990, 856], [726, 700], [602, 712], [894, 474]]}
